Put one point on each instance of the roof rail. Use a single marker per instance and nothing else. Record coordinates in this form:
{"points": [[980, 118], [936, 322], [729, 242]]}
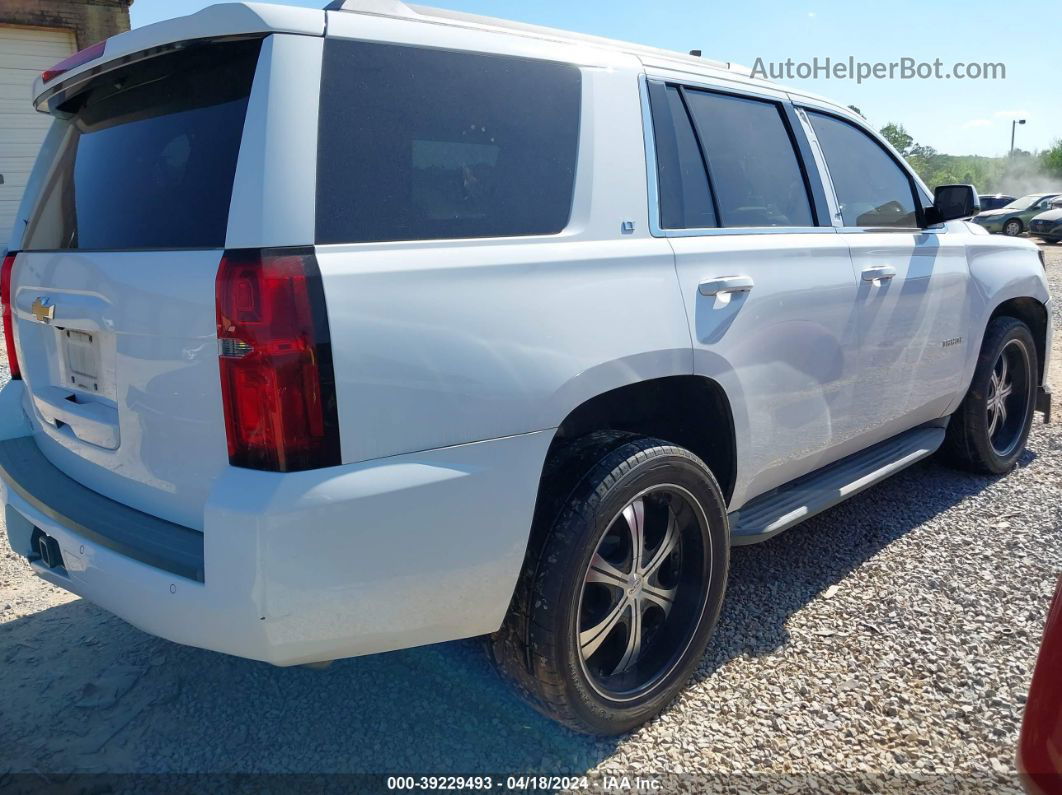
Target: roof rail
{"points": [[386, 8], [397, 8]]}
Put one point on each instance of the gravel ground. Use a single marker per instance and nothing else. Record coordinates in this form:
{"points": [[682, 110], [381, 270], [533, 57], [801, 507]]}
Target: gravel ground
{"points": [[892, 636]]}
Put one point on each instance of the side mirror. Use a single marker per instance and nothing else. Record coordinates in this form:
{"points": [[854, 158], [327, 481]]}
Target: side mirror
{"points": [[953, 201]]}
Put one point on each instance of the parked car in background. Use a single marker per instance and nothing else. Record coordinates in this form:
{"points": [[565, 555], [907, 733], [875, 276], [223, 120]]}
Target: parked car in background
{"points": [[1048, 225], [333, 333], [1040, 746], [995, 201], [1014, 219]]}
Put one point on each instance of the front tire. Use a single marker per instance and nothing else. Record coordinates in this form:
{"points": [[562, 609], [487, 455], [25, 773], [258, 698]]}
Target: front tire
{"points": [[622, 589], [988, 432], [1012, 228]]}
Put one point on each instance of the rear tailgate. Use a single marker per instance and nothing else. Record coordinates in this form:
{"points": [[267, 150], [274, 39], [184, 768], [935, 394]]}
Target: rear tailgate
{"points": [[113, 293], [123, 382]]}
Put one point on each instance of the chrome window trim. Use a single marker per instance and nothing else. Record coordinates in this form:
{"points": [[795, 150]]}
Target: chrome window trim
{"points": [[651, 177], [733, 88], [821, 168], [653, 187], [748, 230], [929, 230]]}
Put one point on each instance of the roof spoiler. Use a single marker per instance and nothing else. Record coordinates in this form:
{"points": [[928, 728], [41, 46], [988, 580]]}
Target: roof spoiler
{"points": [[214, 22]]}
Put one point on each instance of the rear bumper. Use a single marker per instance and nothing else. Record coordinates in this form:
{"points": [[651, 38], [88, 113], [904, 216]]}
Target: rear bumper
{"points": [[108, 524], [318, 565]]}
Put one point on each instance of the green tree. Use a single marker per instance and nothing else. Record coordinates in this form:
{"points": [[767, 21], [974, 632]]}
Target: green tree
{"points": [[923, 160], [1016, 173], [1051, 159], [896, 135]]}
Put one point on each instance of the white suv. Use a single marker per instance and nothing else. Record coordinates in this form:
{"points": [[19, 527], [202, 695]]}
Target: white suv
{"points": [[347, 330]]}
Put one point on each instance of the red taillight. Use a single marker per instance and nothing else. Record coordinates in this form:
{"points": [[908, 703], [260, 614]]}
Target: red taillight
{"points": [[77, 59], [9, 318], [277, 380]]}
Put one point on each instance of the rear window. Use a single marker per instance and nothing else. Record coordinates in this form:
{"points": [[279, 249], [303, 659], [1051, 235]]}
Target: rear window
{"points": [[421, 144], [150, 156]]}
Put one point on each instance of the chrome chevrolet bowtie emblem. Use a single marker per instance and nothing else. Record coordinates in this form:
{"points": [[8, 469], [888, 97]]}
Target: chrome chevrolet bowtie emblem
{"points": [[42, 311]]}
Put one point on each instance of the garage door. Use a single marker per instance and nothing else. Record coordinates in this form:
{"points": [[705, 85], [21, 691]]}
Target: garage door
{"points": [[24, 54]]}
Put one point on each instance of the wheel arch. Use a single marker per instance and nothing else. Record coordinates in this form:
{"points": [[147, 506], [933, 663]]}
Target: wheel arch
{"points": [[1034, 314], [690, 411]]}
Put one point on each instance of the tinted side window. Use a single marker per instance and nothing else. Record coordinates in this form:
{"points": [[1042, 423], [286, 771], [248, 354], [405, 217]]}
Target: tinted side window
{"points": [[685, 201], [419, 144], [751, 161], [871, 188]]}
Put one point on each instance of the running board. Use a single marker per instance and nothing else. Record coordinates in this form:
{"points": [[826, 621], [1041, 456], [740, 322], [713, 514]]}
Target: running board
{"points": [[768, 515]]}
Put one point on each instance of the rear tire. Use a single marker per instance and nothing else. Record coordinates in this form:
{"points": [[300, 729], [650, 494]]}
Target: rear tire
{"points": [[622, 586], [988, 431]]}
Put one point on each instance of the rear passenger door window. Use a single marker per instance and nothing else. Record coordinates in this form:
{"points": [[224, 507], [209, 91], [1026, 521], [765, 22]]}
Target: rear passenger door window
{"points": [[871, 188], [422, 144], [752, 162], [685, 199]]}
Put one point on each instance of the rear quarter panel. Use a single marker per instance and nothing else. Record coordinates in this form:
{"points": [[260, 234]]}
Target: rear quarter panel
{"points": [[438, 343]]}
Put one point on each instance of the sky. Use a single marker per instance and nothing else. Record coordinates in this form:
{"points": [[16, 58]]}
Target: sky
{"points": [[954, 116]]}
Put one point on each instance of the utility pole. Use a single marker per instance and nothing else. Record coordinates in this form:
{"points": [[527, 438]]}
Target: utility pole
{"points": [[1013, 126]]}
